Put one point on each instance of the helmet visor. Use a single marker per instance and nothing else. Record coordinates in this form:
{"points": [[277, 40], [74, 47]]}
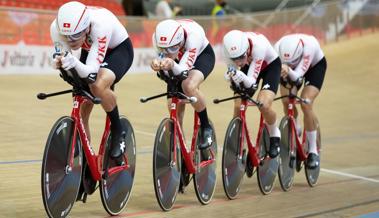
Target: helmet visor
{"points": [[170, 50], [76, 36], [239, 57]]}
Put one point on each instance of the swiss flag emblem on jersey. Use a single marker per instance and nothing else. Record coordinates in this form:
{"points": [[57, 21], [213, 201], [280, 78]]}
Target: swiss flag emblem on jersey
{"points": [[163, 39], [66, 25]]}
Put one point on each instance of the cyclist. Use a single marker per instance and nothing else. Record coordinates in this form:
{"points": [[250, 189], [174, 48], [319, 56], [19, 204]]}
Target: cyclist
{"points": [[252, 58], [302, 56], [106, 55], [187, 52]]}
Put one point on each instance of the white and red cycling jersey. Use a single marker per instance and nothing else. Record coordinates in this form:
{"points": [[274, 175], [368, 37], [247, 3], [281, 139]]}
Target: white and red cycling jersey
{"points": [[106, 32], [195, 42], [312, 54], [260, 54]]}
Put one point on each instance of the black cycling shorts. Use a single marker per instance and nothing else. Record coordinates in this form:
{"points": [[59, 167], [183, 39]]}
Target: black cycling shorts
{"points": [[315, 75], [118, 59], [204, 63], [270, 75]]}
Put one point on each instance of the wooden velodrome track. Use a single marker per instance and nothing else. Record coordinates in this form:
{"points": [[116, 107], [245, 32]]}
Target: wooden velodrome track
{"points": [[347, 109]]}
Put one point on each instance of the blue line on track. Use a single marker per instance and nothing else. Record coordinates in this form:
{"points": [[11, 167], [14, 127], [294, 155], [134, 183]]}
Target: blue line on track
{"points": [[369, 215]]}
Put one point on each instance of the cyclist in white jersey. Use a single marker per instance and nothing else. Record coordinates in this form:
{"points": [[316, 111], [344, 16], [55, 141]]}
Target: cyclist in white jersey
{"points": [[187, 51], [106, 55], [250, 58], [302, 57]]}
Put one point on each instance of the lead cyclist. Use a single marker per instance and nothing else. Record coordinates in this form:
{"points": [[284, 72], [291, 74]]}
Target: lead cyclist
{"points": [[105, 57]]}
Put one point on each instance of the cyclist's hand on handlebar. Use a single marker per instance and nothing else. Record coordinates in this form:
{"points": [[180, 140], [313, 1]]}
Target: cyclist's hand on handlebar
{"points": [[155, 65], [238, 77], [69, 61], [57, 63], [284, 71], [167, 64]]}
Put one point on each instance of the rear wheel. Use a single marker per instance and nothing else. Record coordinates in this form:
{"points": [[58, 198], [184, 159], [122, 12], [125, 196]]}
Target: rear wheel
{"points": [[268, 167], [116, 189], [313, 174], [233, 166], [60, 183], [287, 157], [205, 177], [166, 172]]}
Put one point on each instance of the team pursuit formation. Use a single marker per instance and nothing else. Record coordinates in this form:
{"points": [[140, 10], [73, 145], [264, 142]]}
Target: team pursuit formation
{"points": [[255, 71]]}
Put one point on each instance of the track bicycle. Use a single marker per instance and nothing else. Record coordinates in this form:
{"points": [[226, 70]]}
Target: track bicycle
{"points": [[241, 155], [173, 162], [67, 175], [294, 150]]}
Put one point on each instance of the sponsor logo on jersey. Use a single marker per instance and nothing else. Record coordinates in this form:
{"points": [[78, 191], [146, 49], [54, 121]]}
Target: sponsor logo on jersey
{"points": [[306, 63], [191, 57], [101, 49]]}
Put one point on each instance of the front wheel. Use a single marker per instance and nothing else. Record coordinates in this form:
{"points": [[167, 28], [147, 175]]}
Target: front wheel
{"points": [[166, 170], [313, 174], [287, 156], [233, 165], [268, 167], [205, 177], [116, 189], [59, 182]]}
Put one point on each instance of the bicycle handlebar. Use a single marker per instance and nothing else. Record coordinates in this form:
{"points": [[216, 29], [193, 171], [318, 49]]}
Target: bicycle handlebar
{"points": [[78, 88], [257, 103]]}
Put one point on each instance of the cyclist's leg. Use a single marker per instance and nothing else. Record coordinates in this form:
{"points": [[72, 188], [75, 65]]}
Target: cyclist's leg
{"points": [[202, 67], [117, 63], [313, 82], [271, 78]]}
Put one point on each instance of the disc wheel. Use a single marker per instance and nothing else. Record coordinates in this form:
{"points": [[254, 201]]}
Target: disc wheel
{"points": [[268, 167], [287, 157], [233, 166], [166, 172], [116, 189], [205, 177], [60, 183]]}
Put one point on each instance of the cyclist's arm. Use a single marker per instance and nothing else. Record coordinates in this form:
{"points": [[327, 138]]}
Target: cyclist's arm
{"points": [[101, 37], [304, 63], [193, 46], [256, 64]]}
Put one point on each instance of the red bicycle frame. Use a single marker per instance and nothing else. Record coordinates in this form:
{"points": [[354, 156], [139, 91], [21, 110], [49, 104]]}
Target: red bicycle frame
{"points": [[253, 149], [291, 114], [94, 161], [188, 155]]}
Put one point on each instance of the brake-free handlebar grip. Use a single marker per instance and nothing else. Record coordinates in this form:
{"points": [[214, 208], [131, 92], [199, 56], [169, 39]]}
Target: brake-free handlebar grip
{"points": [[143, 99], [193, 99], [41, 96], [306, 101], [97, 100], [216, 101]]}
